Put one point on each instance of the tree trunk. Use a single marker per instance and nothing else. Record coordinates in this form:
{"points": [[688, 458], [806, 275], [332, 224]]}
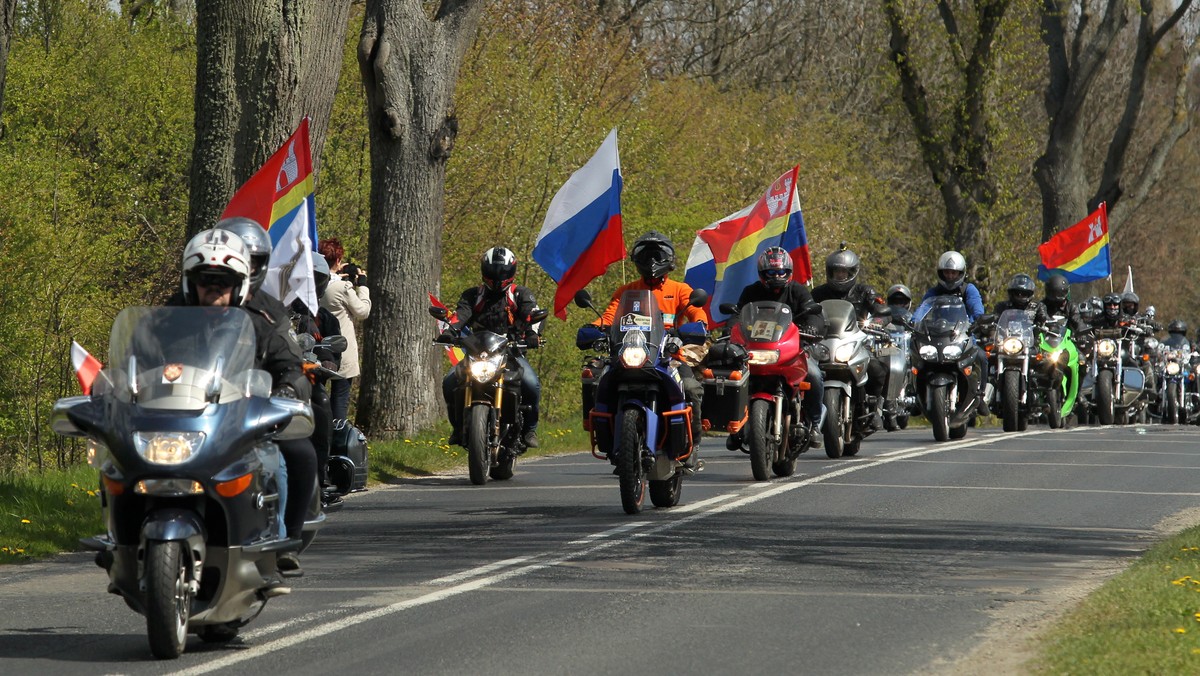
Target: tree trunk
{"points": [[7, 10], [409, 64], [261, 66]]}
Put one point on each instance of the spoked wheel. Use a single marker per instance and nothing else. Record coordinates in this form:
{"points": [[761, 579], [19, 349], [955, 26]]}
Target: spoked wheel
{"points": [[834, 443], [1104, 398], [762, 446], [665, 493], [1010, 400], [939, 413], [477, 452], [629, 463], [168, 598]]}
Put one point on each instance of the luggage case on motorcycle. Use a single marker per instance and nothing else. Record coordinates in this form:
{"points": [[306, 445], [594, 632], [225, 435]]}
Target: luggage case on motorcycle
{"points": [[587, 383], [347, 458], [726, 388]]}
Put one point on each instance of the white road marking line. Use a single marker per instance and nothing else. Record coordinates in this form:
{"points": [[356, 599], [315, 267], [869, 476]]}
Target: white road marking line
{"points": [[726, 505], [280, 626], [480, 570], [1014, 489]]}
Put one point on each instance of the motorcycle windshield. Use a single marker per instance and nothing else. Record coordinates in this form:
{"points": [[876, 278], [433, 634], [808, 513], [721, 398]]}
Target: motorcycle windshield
{"points": [[638, 311], [484, 342], [942, 316], [840, 318], [765, 321], [1056, 331], [182, 358], [1014, 324]]}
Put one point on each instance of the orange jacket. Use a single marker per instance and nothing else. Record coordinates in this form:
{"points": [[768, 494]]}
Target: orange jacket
{"points": [[672, 300]]}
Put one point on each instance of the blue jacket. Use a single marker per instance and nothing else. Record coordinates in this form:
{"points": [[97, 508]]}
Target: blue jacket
{"points": [[970, 295]]}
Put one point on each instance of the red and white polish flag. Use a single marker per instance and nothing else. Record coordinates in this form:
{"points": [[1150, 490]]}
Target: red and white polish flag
{"points": [[86, 366]]}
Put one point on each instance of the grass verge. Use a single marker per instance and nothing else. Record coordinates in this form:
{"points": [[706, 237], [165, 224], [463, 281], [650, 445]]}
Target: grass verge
{"points": [[1144, 621], [43, 514]]}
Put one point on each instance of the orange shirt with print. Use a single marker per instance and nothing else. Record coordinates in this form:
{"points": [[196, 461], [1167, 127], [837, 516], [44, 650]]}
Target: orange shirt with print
{"points": [[673, 300]]}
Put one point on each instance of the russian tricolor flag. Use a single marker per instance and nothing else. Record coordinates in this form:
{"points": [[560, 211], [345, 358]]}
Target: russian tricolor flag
{"points": [[724, 257], [582, 235], [280, 197]]}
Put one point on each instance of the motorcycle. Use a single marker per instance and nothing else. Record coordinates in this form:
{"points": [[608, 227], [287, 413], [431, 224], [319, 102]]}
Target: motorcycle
{"points": [[181, 428], [1176, 405], [347, 464], [947, 380], [1114, 388], [776, 429], [1015, 350], [492, 414], [843, 355], [896, 354], [1057, 372], [641, 421]]}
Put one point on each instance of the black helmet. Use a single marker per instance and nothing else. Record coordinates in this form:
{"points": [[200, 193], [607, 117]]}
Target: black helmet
{"points": [[1129, 303], [653, 256], [498, 267], [258, 245], [841, 269], [1058, 288], [775, 267], [1021, 290], [1177, 326], [899, 294], [1112, 305]]}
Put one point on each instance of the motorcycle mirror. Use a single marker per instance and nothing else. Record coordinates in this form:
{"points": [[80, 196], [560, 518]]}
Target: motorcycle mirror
{"points": [[438, 312], [583, 298], [538, 315], [728, 308], [336, 344], [698, 298], [306, 341]]}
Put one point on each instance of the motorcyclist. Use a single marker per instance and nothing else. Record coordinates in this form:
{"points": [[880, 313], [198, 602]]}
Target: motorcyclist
{"points": [[1058, 302], [952, 281], [500, 306], [1110, 312], [216, 273], [899, 300], [654, 257], [775, 284], [841, 283], [1177, 335], [1130, 304], [1021, 289], [320, 326]]}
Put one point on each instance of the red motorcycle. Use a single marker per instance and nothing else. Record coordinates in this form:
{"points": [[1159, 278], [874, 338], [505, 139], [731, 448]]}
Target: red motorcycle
{"points": [[766, 339]]}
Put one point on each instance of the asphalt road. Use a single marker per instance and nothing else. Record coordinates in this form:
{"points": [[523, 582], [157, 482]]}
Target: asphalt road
{"points": [[899, 561]]}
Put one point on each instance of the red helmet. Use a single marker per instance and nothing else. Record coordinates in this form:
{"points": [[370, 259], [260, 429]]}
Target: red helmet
{"points": [[775, 267]]}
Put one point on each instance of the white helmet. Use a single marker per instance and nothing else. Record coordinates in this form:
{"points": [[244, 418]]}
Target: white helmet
{"points": [[216, 253], [952, 261]]}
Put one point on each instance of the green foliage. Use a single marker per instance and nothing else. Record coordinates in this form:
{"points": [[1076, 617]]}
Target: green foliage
{"points": [[46, 513], [93, 195]]}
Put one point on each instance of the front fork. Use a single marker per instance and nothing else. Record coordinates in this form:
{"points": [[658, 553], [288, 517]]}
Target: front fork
{"points": [[497, 399]]}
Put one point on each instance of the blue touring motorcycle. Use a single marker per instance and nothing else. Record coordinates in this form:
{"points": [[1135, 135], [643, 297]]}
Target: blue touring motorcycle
{"points": [[181, 426], [640, 421]]}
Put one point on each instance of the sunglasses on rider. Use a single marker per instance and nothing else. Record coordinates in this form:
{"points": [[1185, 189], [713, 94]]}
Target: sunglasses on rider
{"points": [[776, 273]]}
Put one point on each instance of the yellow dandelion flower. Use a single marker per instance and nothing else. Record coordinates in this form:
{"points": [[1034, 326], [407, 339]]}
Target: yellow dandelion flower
{"points": [[70, 503], [74, 485], [20, 551], [408, 441], [1180, 630], [3, 549], [26, 521], [91, 494]]}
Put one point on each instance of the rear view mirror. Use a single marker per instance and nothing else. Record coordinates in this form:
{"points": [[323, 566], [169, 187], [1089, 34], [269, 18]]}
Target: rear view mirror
{"points": [[728, 308], [583, 298], [698, 298], [336, 344], [438, 312]]}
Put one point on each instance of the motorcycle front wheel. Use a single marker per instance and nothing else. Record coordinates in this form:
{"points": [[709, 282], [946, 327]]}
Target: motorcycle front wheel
{"points": [[1010, 400], [833, 423], [1171, 414], [762, 446], [477, 451], [939, 413], [168, 598], [1104, 397], [1054, 415], [666, 493], [629, 463]]}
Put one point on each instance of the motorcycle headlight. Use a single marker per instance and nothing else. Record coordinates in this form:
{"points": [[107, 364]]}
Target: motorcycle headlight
{"points": [[633, 350], [928, 352], [844, 352], [96, 452], [484, 368], [952, 352], [1055, 356], [1012, 346], [167, 448], [1172, 368], [1151, 343], [1106, 347], [764, 356]]}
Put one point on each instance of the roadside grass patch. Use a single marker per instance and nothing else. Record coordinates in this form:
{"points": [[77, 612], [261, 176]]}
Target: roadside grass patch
{"points": [[1144, 621], [43, 514], [429, 453]]}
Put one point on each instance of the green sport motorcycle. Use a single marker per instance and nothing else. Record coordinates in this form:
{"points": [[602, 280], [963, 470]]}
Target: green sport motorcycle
{"points": [[1057, 370]]}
